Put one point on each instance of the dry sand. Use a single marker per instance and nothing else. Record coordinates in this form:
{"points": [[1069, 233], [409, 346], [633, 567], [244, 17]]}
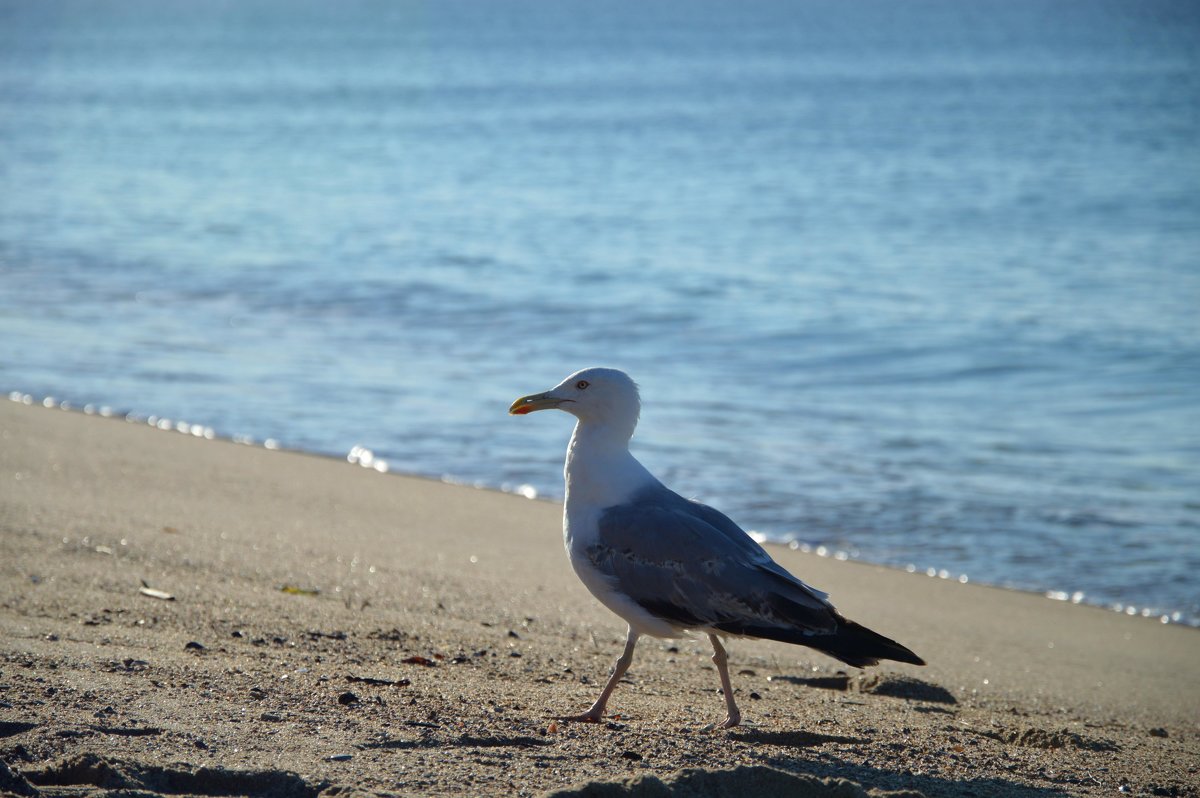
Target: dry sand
{"points": [[429, 634]]}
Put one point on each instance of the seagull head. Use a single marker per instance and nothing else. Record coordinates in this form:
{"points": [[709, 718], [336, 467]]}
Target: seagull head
{"points": [[595, 395]]}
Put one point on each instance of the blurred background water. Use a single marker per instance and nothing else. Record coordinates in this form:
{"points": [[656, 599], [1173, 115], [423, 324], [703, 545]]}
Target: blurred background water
{"points": [[913, 282]]}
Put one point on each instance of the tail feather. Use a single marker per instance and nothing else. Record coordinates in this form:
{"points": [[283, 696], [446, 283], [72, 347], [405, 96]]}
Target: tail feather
{"points": [[857, 645], [852, 643]]}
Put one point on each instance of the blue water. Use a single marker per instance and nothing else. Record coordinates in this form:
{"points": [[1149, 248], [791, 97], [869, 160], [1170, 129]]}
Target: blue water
{"points": [[913, 282]]}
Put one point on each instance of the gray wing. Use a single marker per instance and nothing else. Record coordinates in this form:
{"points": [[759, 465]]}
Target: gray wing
{"points": [[691, 565]]}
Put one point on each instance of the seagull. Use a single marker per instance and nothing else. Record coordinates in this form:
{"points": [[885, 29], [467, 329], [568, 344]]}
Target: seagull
{"points": [[670, 566]]}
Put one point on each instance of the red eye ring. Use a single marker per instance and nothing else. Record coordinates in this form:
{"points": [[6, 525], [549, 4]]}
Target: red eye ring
{"points": [[582, 384]]}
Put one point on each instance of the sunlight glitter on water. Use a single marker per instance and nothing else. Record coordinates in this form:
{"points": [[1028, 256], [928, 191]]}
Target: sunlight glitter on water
{"points": [[364, 457], [865, 315]]}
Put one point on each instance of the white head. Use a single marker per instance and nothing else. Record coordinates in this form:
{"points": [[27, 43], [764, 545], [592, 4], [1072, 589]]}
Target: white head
{"points": [[599, 396]]}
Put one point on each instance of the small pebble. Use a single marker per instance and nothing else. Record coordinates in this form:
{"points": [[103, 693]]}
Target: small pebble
{"points": [[347, 698], [341, 757]]}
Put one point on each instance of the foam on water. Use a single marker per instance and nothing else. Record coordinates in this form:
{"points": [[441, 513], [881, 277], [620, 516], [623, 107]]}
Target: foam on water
{"points": [[913, 286]]}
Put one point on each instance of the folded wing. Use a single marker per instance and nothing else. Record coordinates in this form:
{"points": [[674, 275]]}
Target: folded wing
{"points": [[689, 564], [692, 566]]}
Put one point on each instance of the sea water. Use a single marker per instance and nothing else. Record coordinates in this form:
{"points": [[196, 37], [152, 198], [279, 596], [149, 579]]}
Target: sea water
{"points": [[915, 283]]}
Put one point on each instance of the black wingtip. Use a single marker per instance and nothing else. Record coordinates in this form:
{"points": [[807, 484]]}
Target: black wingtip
{"points": [[855, 644], [852, 643]]}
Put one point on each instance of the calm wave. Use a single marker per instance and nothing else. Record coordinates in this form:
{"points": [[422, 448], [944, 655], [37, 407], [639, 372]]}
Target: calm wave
{"points": [[913, 282]]}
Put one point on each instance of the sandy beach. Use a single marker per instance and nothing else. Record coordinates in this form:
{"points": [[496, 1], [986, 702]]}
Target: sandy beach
{"points": [[183, 616]]}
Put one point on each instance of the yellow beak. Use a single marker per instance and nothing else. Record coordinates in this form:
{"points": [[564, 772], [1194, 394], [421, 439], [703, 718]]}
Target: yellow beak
{"points": [[535, 401]]}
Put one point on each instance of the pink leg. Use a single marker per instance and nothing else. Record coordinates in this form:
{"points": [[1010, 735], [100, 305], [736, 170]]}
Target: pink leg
{"points": [[721, 660], [596, 713]]}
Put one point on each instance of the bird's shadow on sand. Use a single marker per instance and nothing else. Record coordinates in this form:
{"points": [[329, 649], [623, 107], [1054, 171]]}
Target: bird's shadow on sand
{"points": [[460, 741], [887, 684], [791, 739], [774, 781], [926, 785], [873, 777]]}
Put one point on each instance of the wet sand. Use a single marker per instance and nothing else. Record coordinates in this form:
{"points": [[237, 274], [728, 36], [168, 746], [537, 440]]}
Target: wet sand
{"points": [[335, 630]]}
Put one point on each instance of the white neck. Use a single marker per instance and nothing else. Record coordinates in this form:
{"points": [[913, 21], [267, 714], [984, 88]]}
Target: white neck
{"points": [[600, 471]]}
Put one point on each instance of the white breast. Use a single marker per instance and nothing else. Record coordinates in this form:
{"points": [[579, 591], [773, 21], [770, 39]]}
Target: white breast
{"points": [[608, 593], [598, 478]]}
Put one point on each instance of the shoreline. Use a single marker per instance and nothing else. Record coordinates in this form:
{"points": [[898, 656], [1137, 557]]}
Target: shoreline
{"points": [[408, 636], [370, 462]]}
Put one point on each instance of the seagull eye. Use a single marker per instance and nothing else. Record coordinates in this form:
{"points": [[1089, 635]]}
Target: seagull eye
{"points": [[582, 384]]}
